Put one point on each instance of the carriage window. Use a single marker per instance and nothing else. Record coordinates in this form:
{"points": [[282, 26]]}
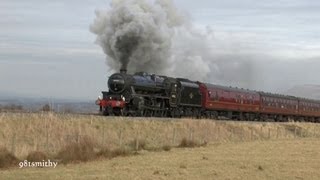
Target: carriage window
{"points": [[213, 95]]}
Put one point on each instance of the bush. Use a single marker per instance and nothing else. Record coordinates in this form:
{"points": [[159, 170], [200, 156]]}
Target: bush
{"points": [[120, 152], [185, 143], [37, 156], [46, 108], [166, 148], [106, 153], [81, 151], [7, 159]]}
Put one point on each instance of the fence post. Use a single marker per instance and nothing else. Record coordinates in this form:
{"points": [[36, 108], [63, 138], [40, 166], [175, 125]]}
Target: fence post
{"points": [[269, 133], [205, 138], [174, 137], [13, 143], [286, 134], [137, 141], [217, 133], [295, 132], [120, 138], [230, 135], [78, 138], [47, 139], [241, 137], [190, 134], [103, 136]]}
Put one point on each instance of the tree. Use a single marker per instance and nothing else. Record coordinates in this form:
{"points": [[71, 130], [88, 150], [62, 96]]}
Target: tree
{"points": [[46, 108]]}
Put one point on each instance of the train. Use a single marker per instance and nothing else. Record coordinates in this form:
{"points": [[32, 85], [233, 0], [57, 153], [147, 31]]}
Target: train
{"points": [[149, 95]]}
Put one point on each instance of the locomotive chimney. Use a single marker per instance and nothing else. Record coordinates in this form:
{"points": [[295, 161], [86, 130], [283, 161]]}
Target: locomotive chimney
{"points": [[123, 71]]}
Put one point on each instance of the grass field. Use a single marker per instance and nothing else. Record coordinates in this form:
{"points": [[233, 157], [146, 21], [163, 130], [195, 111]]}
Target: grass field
{"points": [[23, 133], [235, 150], [276, 159]]}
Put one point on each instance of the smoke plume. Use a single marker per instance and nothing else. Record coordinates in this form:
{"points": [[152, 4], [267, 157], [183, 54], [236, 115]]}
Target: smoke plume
{"points": [[154, 36], [137, 35]]}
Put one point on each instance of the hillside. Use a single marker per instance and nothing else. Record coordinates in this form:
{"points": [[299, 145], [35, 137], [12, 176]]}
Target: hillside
{"points": [[307, 91]]}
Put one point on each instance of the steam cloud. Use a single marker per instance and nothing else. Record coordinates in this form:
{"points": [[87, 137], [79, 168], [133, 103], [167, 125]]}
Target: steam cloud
{"points": [[136, 34], [154, 36]]}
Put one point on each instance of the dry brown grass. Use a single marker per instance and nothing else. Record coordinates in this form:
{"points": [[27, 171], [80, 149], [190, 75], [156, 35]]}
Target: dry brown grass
{"points": [[81, 151], [187, 143], [37, 156], [7, 159], [23, 133], [166, 148], [247, 149], [138, 144], [277, 159], [107, 153]]}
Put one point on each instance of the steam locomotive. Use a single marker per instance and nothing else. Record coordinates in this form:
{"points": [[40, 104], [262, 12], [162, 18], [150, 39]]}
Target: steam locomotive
{"points": [[143, 94]]}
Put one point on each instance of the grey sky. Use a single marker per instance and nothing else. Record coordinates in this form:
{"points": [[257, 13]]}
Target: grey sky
{"points": [[46, 48]]}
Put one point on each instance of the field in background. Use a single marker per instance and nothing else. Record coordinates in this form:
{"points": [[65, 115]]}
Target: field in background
{"points": [[276, 159], [22, 133]]}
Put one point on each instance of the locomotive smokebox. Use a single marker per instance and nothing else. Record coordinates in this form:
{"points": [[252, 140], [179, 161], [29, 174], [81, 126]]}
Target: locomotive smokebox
{"points": [[123, 71]]}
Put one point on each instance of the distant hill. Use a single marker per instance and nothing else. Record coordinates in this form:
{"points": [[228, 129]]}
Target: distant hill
{"points": [[36, 103], [8, 95], [306, 91]]}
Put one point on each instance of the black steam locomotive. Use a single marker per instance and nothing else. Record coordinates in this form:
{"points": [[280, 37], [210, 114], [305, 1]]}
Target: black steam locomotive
{"points": [[144, 94]]}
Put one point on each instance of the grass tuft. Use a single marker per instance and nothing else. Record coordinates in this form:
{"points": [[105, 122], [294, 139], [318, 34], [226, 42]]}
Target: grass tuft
{"points": [[166, 148], [120, 152], [185, 143], [106, 153], [81, 151], [7, 159], [36, 156]]}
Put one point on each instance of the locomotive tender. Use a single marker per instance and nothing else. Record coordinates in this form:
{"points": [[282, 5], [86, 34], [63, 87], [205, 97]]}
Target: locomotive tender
{"points": [[143, 94]]}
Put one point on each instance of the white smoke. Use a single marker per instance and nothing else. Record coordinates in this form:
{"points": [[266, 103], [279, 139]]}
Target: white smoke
{"points": [[155, 37], [136, 34], [192, 57]]}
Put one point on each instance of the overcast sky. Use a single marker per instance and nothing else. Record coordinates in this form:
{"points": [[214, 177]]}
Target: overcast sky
{"points": [[47, 50]]}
